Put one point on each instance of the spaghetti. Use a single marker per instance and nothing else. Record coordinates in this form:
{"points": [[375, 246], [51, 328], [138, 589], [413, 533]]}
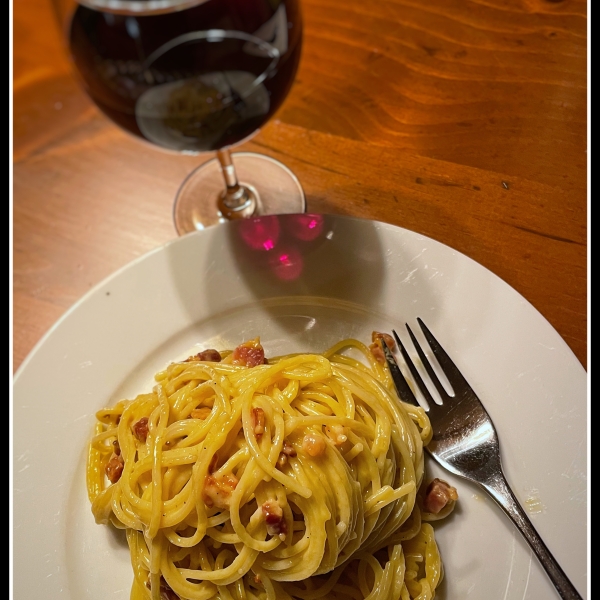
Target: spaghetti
{"points": [[296, 478]]}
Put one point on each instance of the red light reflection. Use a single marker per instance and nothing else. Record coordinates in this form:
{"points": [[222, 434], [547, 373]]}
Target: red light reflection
{"points": [[261, 233], [305, 227], [281, 244], [287, 264]]}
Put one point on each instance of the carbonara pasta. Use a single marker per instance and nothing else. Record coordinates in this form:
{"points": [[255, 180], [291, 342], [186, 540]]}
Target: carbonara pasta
{"points": [[296, 478]]}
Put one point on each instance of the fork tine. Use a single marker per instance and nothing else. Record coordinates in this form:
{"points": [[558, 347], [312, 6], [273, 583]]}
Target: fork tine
{"points": [[455, 377], [413, 371], [402, 387], [432, 375]]}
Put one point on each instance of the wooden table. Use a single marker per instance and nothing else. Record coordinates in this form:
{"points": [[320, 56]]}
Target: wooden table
{"points": [[463, 120]]}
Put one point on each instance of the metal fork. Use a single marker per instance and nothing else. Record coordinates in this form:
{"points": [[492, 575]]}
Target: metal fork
{"points": [[465, 442]]}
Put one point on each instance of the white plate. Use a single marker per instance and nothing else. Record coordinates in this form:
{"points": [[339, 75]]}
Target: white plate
{"points": [[302, 283]]}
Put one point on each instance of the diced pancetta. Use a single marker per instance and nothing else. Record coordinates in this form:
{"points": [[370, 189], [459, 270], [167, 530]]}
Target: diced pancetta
{"points": [[286, 450], [210, 355], [114, 467], [218, 489], [140, 429], [273, 514], [249, 354], [314, 445], [376, 347], [258, 421], [437, 495], [336, 433]]}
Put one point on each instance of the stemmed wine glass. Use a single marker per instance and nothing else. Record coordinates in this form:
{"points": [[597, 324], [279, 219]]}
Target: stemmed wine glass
{"points": [[194, 76]]}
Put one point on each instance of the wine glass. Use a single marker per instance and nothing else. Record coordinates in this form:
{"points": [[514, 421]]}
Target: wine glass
{"points": [[194, 76]]}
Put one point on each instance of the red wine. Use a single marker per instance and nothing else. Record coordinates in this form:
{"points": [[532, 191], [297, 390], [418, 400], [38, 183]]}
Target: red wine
{"points": [[198, 79]]}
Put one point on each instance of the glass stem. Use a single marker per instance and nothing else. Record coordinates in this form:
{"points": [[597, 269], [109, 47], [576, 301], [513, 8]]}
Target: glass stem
{"points": [[236, 201]]}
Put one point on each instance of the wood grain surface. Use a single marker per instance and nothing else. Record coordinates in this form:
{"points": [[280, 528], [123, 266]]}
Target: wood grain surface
{"points": [[463, 120]]}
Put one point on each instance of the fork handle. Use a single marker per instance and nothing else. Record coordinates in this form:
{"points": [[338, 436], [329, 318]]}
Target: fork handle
{"points": [[498, 488]]}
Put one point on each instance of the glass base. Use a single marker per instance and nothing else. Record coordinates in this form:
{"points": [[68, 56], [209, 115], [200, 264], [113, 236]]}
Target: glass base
{"points": [[277, 189]]}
